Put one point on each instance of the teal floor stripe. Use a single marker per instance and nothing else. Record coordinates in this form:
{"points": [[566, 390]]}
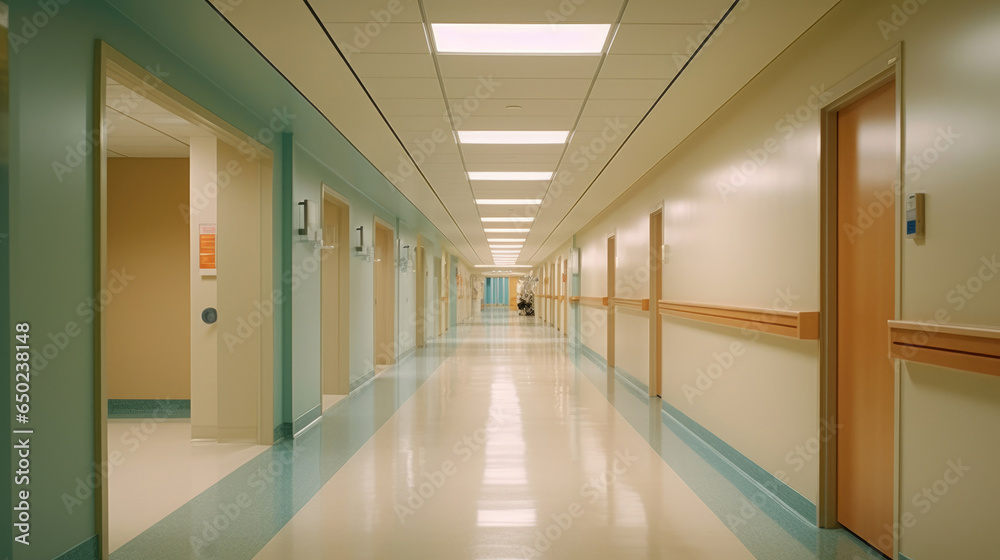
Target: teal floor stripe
{"points": [[149, 408], [766, 526], [237, 516], [87, 550]]}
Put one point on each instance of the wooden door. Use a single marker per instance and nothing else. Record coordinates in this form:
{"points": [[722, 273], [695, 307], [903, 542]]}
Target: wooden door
{"points": [[335, 370], [611, 305], [866, 296], [655, 285], [385, 297]]}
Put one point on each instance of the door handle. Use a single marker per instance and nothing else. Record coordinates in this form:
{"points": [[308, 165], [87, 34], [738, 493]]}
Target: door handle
{"points": [[209, 315]]}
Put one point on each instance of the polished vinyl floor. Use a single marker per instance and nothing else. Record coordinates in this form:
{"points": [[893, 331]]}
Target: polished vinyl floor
{"points": [[497, 441]]}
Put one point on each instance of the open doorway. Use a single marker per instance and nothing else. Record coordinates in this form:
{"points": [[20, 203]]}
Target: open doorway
{"points": [[655, 288], [335, 297], [385, 296], [184, 364]]}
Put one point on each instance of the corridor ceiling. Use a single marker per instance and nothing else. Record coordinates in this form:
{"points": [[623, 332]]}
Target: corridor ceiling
{"points": [[375, 70]]}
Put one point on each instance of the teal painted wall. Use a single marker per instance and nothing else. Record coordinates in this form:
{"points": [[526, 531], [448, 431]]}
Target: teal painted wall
{"points": [[51, 243]]}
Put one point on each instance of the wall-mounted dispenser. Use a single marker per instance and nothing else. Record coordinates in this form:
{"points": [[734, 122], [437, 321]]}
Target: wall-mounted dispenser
{"points": [[574, 260], [915, 216], [307, 226], [360, 250]]}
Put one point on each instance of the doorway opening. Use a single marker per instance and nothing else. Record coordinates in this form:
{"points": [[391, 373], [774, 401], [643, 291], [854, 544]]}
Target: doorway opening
{"points": [[335, 298], [385, 296], [859, 383], [184, 356]]}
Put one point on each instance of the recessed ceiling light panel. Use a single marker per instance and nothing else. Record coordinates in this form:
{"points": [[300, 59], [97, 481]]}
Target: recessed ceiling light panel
{"points": [[520, 38], [513, 136], [510, 175]]}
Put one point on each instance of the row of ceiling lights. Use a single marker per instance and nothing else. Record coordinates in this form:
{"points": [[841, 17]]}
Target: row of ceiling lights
{"points": [[515, 39]]}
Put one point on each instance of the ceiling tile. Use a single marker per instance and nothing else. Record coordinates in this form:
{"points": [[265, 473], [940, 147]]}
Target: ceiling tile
{"points": [[529, 108], [394, 65], [375, 11], [403, 88], [642, 66], [619, 107], [643, 38], [453, 66], [476, 122], [675, 11], [413, 107], [628, 89], [479, 88], [402, 38]]}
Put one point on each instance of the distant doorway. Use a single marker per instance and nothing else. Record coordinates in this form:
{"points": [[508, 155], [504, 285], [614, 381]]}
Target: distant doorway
{"points": [[385, 296], [335, 298]]}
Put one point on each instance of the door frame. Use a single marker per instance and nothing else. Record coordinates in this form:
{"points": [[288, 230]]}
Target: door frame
{"points": [[870, 77], [109, 62], [655, 293], [344, 256], [611, 254], [377, 223]]}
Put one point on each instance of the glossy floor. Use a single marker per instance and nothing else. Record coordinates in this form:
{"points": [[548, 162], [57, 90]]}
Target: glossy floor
{"points": [[497, 441]]}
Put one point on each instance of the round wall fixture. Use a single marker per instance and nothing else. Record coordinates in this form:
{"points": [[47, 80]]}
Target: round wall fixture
{"points": [[209, 315]]}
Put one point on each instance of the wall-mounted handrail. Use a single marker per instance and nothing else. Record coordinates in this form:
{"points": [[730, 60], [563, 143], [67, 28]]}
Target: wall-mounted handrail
{"points": [[631, 303], [975, 349], [803, 325], [589, 301]]}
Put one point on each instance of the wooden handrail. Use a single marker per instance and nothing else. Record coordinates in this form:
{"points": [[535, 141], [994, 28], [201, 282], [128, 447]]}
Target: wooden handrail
{"points": [[803, 325], [574, 299], [975, 349], [631, 303], [591, 301]]}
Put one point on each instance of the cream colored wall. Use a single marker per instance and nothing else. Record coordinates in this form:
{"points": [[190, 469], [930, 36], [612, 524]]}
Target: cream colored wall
{"points": [[752, 238], [465, 293], [148, 350], [204, 338]]}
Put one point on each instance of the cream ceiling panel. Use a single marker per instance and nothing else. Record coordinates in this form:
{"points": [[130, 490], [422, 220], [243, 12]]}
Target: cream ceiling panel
{"points": [[591, 124], [522, 11], [642, 66], [564, 122], [394, 65], [413, 107], [484, 190], [512, 149], [512, 88], [400, 123], [545, 161], [403, 88], [529, 108], [643, 38], [456, 66], [402, 38], [616, 108], [377, 11], [675, 11], [628, 89]]}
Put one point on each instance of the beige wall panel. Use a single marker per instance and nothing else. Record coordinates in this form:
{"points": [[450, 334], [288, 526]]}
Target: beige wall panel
{"points": [[204, 338], [148, 349]]}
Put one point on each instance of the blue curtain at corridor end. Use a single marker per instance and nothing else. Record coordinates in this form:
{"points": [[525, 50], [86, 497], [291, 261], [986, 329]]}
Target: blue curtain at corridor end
{"points": [[497, 290]]}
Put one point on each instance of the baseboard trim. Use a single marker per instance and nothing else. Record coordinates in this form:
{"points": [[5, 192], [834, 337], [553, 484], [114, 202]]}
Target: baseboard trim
{"points": [[87, 550], [795, 502], [282, 432], [904, 557], [361, 381], [406, 354], [304, 421], [149, 408], [769, 483]]}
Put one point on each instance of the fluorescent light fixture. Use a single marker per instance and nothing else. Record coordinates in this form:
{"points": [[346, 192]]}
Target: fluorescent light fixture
{"points": [[503, 265], [510, 175], [521, 38], [509, 201], [511, 219], [505, 240], [506, 246], [506, 230], [513, 136]]}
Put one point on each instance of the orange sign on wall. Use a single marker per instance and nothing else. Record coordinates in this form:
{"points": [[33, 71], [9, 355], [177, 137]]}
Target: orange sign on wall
{"points": [[206, 249]]}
